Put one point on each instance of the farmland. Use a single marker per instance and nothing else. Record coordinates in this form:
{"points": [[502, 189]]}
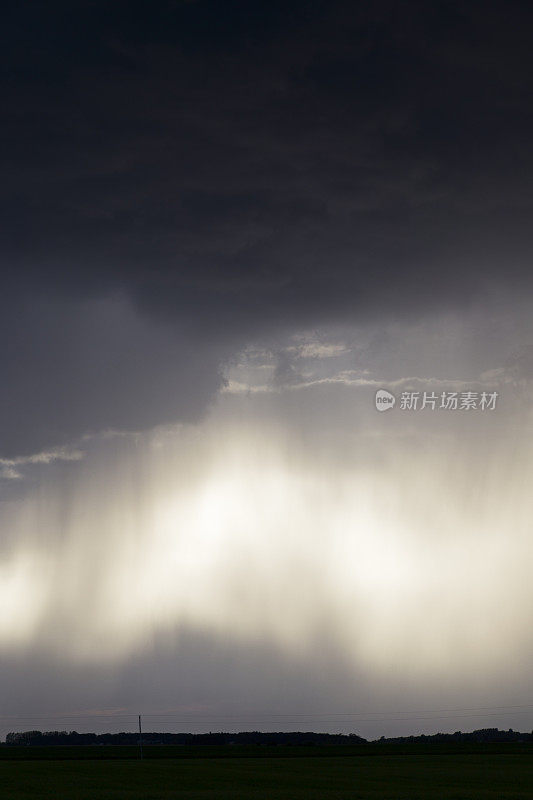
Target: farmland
{"points": [[262, 774]]}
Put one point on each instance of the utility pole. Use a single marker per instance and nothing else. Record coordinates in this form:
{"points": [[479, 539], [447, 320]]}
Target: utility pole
{"points": [[140, 737]]}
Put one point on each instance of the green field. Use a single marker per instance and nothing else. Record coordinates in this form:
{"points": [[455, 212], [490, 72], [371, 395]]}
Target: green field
{"points": [[419, 776]]}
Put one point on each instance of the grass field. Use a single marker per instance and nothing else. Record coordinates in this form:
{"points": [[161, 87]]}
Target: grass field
{"points": [[450, 776]]}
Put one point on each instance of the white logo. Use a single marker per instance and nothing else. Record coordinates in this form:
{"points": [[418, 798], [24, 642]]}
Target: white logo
{"points": [[384, 400]]}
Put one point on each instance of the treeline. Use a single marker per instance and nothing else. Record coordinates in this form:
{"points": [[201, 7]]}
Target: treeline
{"points": [[481, 735], [250, 737], [46, 738]]}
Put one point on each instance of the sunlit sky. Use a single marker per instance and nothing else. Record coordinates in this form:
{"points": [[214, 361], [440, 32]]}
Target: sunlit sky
{"points": [[226, 227]]}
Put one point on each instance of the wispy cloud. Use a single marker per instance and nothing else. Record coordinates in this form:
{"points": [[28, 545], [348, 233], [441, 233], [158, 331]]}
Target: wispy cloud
{"points": [[319, 350], [9, 467], [362, 378]]}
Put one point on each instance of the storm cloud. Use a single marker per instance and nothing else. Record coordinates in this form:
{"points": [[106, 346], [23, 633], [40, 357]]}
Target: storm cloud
{"points": [[225, 226], [231, 171]]}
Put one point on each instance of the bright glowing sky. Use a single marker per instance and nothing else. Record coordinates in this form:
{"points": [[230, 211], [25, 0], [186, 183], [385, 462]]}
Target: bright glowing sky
{"points": [[378, 559]]}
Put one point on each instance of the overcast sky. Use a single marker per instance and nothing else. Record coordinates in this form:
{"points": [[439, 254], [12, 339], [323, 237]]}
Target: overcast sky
{"points": [[225, 227]]}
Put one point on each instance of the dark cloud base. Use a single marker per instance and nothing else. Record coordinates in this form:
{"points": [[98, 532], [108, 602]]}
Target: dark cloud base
{"points": [[236, 169]]}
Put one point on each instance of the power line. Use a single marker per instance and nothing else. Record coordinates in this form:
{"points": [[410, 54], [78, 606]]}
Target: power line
{"points": [[170, 717]]}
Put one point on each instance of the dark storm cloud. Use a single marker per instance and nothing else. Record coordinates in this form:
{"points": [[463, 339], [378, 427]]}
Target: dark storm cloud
{"points": [[87, 367], [237, 167]]}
